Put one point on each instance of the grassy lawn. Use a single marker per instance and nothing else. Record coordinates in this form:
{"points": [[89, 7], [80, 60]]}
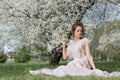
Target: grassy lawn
{"points": [[19, 71]]}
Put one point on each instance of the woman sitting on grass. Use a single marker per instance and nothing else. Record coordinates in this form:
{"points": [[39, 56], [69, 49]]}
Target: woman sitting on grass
{"points": [[81, 63]]}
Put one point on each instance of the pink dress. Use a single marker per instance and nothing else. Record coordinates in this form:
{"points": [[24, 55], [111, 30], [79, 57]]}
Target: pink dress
{"points": [[78, 66]]}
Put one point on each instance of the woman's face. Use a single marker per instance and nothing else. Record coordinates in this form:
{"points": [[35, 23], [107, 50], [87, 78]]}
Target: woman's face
{"points": [[78, 32]]}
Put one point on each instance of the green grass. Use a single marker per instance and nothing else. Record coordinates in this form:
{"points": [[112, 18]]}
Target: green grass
{"points": [[19, 71]]}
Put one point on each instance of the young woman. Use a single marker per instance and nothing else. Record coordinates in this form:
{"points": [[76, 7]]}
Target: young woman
{"points": [[78, 51]]}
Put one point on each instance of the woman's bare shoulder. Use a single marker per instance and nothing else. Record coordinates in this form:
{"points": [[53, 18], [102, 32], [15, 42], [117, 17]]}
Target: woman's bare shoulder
{"points": [[86, 40]]}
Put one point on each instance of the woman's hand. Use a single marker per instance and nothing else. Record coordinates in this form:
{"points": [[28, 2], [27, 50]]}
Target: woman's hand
{"points": [[64, 42]]}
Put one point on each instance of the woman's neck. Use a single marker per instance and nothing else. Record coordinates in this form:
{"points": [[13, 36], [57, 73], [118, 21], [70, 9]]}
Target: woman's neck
{"points": [[76, 39]]}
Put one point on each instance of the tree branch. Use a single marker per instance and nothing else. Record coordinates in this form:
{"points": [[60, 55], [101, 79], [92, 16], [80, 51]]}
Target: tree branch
{"points": [[113, 2], [27, 13], [84, 9]]}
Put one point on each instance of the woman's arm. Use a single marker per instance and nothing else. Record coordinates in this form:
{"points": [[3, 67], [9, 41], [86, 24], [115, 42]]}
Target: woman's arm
{"points": [[64, 51], [89, 56]]}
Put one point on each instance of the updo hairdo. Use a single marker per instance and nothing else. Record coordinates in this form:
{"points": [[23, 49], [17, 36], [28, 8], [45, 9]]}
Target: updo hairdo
{"points": [[75, 25]]}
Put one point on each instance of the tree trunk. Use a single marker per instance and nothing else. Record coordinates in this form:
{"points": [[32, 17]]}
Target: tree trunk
{"points": [[108, 55], [56, 55]]}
